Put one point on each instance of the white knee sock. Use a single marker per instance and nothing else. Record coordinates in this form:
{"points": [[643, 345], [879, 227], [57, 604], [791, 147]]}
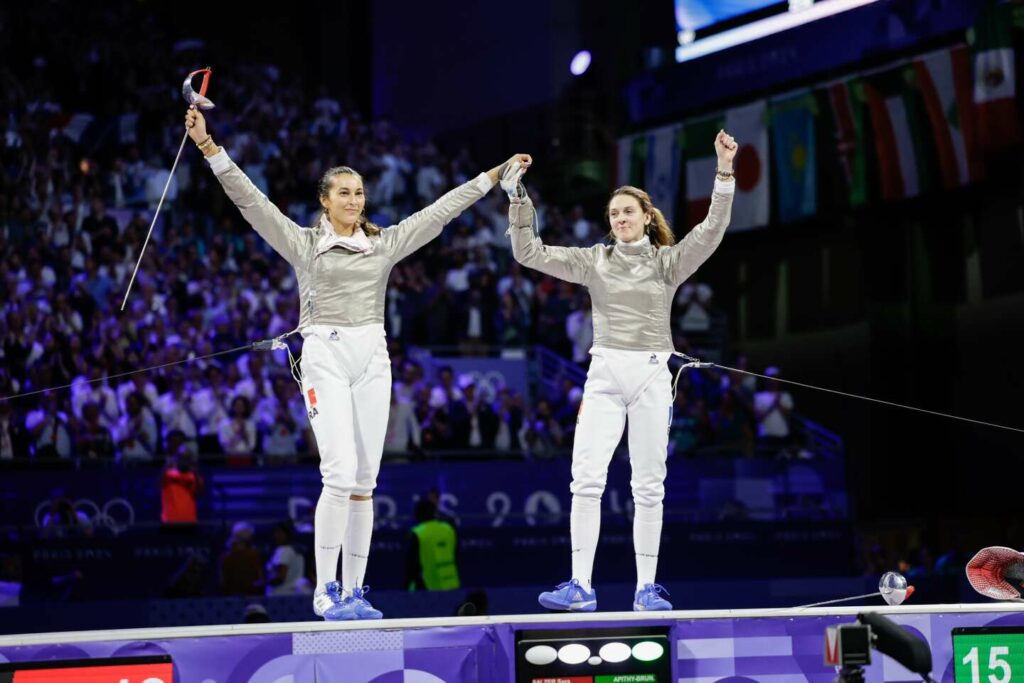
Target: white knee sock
{"points": [[329, 524], [357, 544], [584, 529], [646, 542]]}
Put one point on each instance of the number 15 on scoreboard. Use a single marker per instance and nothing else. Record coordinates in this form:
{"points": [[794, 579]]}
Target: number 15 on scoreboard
{"points": [[988, 655]]}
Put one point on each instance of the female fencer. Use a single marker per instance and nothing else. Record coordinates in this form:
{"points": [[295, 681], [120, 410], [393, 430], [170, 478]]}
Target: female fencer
{"points": [[342, 265], [632, 283]]}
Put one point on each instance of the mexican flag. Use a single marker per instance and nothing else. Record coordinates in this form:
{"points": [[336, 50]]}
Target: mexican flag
{"points": [[944, 80], [994, 78], [748, 124]]}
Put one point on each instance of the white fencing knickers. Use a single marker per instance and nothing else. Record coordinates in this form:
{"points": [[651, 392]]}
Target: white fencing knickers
{"points": [[621, 384], [346, 384]]}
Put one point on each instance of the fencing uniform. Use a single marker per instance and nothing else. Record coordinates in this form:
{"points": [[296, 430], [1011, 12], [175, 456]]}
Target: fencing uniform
{"points": [[631, 288], [345, 366]]}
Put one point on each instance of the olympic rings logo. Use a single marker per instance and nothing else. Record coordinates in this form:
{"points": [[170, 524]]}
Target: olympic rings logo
{"points": [[489, 383], [117, 514]]}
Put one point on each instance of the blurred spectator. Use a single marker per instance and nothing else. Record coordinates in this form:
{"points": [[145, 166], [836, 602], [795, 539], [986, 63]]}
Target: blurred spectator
{"points": [[475, 325], [742, 385], [579, 328], [482, 421], [142, 387], [156, 180], [732, 426], [446, 390], [241, 567], [518, 285], [510, 421], [772, 408], [694, 303], [48, 430], [448, 419], [441, 512], [432, 554], [173, 409], [286, 570], [583, 231], [256, 614], [408, 381], [98, 393], [99, 225], [683, 436], [403, 431], [279, 417], [93, 441], [541, 435], [210, 409], [14, 438], [62, 520], [512, 322], [11, 580], [565, 397], [255, 384], [180, 485], [238, 429], [187, 581], [136, 431]]}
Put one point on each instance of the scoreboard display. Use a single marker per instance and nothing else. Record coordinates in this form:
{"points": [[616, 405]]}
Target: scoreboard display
{"points": [[156, 669], [640, 654], [707, 26], [993, 654]]}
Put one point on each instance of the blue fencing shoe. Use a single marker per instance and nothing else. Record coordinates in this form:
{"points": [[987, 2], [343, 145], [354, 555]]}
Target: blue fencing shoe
{"points": [[569, 597], [360, 606], [648, 599], [327, 603]]}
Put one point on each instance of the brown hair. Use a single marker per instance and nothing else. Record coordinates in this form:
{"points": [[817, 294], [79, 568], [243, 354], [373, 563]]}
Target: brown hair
{"points": [[659, 231], [324, 188]]}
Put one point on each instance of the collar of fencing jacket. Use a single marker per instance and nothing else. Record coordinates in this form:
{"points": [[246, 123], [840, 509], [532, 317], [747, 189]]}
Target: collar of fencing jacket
{"points": [[357, 241], [641, 246]]}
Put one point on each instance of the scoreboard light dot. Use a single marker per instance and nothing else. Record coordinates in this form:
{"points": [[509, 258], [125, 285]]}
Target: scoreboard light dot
{"points": [[541, 655], [648, 651], [574, 653], [615, 652]]}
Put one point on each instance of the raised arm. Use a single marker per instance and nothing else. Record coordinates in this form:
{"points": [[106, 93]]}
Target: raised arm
{"points": [[681, 260], [282, 233]]}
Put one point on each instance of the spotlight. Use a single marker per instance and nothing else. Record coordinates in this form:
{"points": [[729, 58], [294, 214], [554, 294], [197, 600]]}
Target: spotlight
{"points": [[580, 63]]}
